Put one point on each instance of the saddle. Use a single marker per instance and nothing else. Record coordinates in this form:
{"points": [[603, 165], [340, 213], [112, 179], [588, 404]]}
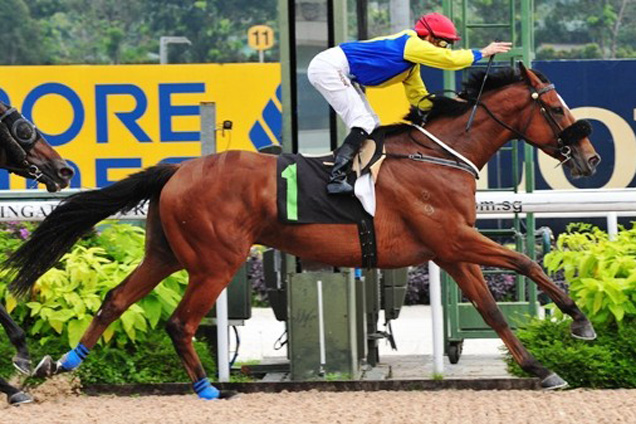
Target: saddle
{"points": [[301, 194]]}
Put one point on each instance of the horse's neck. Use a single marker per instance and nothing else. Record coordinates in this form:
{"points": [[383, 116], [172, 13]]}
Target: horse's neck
{"points": [[486, 136]]}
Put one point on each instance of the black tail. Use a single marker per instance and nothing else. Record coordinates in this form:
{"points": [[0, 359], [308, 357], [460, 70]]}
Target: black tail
{"points": [[74, 217]]}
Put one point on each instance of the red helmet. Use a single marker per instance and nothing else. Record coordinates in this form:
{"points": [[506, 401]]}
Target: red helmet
{"points": [[437, 25]]}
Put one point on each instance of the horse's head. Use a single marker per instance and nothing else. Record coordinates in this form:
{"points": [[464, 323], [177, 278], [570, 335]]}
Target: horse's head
{"points": [[552, 128], [25, 152]]}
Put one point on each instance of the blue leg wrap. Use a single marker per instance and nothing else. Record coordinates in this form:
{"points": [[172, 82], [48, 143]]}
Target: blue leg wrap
{"points": [[205, 390], [74, 358]]}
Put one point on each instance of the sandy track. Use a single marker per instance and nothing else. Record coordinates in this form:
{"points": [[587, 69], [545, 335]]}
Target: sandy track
{"points": [[443, 407]]}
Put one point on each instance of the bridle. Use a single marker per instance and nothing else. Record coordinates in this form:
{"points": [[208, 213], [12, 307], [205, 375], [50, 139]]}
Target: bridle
{"points": [[565, 137], [22, 138]]}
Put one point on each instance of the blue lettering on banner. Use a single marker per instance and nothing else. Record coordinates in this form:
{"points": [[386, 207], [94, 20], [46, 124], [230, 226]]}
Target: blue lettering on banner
{"points": [[273, 118], [4, 97], [129, 119], [4, 179], [167, 110], [70, 95], [103, 165]]}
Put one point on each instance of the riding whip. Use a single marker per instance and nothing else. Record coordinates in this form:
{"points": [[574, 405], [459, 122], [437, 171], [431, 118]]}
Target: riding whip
{"points": [[483, 83]]}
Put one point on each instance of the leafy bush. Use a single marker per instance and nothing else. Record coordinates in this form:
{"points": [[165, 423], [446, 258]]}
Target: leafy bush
{"points": [[135, 348], [154, 361], [608, 362], [67, 296], [601, 273], [602, 276]]}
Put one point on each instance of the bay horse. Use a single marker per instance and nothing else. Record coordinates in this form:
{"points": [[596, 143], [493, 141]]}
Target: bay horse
{"points": [[205, 214], [24, 151]]}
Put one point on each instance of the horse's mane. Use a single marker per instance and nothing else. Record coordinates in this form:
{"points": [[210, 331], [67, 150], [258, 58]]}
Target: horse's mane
{"points": [[446, 106]]}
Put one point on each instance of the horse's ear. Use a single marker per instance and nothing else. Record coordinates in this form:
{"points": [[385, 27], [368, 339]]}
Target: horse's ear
{"points": [[524, 73]]}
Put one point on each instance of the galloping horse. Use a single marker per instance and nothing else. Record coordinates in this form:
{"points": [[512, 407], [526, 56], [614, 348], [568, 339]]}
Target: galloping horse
{"points": [[205, 214], [25, 152]]}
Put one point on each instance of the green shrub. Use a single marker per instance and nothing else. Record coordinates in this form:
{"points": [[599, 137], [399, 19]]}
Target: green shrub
{"points": [[602, 281], [607, 362], [153, 361], [601, 273], [66, 297]]}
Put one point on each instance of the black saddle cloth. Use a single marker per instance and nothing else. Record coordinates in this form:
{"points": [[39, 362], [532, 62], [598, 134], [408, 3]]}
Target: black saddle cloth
{"points": [[301, 193]]}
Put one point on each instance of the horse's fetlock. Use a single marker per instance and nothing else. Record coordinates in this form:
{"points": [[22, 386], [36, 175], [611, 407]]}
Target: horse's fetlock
{"points": [[534, 367]]}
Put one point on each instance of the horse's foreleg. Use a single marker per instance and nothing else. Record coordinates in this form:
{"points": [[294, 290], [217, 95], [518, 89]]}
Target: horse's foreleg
{"points": [[17, 337], [470, 246], [471, 281]]}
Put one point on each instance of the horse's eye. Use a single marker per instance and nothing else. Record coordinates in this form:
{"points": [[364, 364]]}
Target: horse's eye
{"points": [[558, 110]]}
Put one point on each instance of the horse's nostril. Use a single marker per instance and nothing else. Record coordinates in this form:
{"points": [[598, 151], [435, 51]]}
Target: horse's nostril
{"points": [[594, 161], [66, 172]]}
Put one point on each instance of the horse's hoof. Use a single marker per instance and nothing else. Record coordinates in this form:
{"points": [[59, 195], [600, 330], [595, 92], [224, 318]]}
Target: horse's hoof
{"points": [[227, 394], [583, 330], [20, 398], [46, 368], [22, 364], [553, 382]]}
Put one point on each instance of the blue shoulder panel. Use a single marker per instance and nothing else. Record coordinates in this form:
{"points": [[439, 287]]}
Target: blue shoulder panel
{"points": [[376, 61]]}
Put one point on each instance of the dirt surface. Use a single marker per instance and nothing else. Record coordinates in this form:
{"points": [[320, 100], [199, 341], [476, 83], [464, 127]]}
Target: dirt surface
{"points": [[443, 407]]}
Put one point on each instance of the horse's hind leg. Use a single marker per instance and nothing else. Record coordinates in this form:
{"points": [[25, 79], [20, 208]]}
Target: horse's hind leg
{"points": [[159, 262], [18, 338], [207, 281], [476, 248], [471, 281]]}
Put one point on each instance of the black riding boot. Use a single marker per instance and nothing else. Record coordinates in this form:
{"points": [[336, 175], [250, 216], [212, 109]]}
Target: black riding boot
{"points": [[338, 180]]}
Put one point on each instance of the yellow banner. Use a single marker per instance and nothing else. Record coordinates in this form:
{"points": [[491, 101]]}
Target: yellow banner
{"points": [[109, 121]]}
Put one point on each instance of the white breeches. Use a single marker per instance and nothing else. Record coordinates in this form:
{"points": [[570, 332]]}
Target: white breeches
{"points": [[329, 73]]}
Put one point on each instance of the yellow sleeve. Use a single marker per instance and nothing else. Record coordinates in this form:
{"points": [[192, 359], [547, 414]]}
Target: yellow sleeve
{"points": [[421, 51], [415, 89]]}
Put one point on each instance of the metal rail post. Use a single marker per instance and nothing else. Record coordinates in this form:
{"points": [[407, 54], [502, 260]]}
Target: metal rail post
{"points": [[207, 111]]}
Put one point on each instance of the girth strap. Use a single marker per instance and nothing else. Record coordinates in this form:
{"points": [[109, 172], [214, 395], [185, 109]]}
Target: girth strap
{"points": [[366, 232]]}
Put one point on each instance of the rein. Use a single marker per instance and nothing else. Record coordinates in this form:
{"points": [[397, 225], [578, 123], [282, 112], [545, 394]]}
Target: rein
{"points": [[565, 137]]}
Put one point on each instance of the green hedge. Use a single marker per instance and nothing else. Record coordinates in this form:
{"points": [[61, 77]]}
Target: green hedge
{"points": [[135, 348], [153, 361], [602, 281], [607, 362]]}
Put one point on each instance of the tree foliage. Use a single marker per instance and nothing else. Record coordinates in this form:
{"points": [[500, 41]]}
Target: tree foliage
{"points": [[109, 32]]}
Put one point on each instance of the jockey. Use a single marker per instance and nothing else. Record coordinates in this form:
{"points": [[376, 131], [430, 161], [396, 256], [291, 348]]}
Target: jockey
{"points": [[380, 62]]}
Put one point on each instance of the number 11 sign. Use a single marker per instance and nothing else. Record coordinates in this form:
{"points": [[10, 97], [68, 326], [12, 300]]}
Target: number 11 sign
{"points": [[260, 37]]}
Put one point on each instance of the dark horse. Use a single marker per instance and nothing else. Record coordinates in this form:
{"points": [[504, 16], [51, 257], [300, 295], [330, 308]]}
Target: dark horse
{"points": [[205, 214], [25, 152]]}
